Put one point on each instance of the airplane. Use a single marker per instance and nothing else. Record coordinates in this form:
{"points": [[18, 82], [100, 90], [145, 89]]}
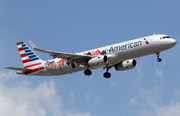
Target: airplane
{"points": [[120, 56]]}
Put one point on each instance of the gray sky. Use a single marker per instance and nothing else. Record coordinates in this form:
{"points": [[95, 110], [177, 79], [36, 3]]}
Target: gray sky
{"points": [[151, 89]]}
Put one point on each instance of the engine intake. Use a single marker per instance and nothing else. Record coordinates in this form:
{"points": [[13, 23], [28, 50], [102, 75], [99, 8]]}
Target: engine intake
{"points": [[126, 65]]}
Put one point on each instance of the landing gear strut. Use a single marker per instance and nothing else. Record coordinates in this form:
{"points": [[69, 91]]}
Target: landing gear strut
{"points": [[107, 74], [158, 59], [87, 72]]}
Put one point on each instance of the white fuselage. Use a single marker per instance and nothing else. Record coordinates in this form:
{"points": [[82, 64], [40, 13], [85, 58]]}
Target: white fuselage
{"points": [[117, 53]]}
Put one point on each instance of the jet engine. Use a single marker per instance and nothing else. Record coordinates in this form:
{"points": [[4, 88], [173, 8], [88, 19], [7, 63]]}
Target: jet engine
{"points": [[98, 60], [126, 65]]}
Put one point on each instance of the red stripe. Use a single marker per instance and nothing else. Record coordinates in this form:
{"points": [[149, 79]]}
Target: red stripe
{"points": [[20, 49], [18, 43], [32, 65], [25, 61], [34, 70], [23, 55]]}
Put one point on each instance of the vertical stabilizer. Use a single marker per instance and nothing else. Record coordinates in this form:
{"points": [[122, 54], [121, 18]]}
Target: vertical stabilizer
{"points": [[29, 58]]}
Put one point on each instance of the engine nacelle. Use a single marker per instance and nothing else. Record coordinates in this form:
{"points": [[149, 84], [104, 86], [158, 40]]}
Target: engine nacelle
{"points": [[98, 61], [126, 65]]}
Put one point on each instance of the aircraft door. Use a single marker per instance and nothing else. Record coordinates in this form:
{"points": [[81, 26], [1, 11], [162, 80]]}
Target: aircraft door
{"points": [[150, 48], [152, 42]]}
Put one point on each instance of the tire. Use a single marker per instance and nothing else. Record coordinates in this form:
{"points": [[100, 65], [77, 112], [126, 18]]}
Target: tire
{"points": [[107, 75], [88, 72], [159, 59]]}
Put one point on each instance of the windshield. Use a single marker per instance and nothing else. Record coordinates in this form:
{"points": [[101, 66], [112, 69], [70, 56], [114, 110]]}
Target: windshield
{"points": [[164, 37]]}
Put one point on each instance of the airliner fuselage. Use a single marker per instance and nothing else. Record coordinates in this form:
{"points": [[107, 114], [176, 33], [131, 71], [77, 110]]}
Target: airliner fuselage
{"points": [[118, 55]]}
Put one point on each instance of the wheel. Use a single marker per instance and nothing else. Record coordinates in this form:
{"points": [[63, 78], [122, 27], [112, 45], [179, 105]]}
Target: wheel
{"points": [[87, 72], [73, 65], [159, 59], [107, 75]]}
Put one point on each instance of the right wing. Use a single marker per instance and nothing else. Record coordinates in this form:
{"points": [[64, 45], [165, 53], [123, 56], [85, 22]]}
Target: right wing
{"points": [[69, 57]]}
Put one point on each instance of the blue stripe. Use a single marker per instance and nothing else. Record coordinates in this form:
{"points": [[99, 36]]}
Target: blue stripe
{"points": [[21, 42], [23, 45], [34, 59], [32, 56], [27, 50], [30, 53]]}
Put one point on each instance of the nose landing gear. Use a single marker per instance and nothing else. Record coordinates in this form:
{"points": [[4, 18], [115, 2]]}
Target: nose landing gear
{"points": [[158, 59]]}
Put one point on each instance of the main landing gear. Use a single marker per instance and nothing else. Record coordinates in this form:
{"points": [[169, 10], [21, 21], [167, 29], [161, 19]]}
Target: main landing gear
{"points": [[87, 72], [158, 59], [107, 74]]}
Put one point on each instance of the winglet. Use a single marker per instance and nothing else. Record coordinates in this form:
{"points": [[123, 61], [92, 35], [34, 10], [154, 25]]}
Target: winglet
{"points": [[33, 46]]}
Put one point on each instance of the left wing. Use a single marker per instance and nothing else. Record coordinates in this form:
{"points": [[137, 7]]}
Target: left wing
{"points": [[69, 57]]}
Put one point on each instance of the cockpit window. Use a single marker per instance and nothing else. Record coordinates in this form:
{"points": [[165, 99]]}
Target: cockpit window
{"points": [[164, 37]]}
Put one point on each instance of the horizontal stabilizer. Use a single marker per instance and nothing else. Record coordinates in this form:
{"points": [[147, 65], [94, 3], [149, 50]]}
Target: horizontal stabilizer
{"points": [[18, 69]]}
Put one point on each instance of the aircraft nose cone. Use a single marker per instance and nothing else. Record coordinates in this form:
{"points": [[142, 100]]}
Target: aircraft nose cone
{"points": [[173, 42]]}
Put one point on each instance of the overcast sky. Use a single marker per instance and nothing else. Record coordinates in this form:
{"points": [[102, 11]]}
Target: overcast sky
{"points": [[151, 89]]}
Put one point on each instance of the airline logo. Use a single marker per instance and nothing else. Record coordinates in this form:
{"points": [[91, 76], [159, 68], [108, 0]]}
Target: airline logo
{"points": [[146, 41], [29, 58], [122, 47]]}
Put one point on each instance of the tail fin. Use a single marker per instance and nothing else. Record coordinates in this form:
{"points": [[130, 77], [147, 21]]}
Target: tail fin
{"points": [[29, 58]]}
